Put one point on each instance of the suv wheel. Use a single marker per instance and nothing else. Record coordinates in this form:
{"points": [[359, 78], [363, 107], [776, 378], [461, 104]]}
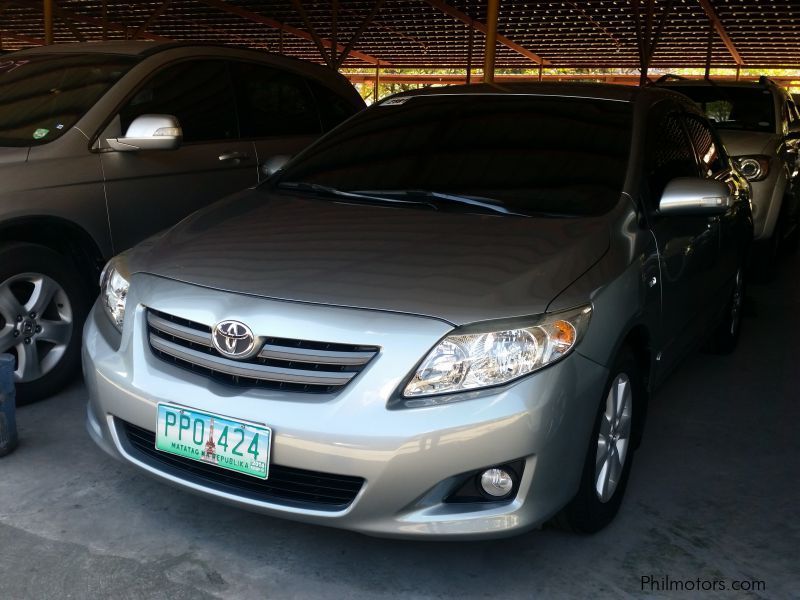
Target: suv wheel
{"points": [[610, 454], [42, 309]]}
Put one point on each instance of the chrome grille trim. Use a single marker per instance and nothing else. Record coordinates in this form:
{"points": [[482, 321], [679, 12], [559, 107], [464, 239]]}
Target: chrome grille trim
{"points": [[251, 370], [285, 364], [325, 357], [179, 331]]}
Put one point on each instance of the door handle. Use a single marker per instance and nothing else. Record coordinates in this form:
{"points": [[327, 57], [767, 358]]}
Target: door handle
{"points": [[233, 155]]}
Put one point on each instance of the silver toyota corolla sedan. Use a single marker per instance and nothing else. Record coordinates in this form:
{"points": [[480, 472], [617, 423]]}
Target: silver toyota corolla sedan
{"points": [[443, 319]]}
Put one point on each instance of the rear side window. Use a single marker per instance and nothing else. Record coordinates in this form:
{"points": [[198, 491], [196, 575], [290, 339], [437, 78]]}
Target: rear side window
{"points": [[198, 93], [669, 154], [333, 109], [272, 102], [709, 154], [42, 97]]}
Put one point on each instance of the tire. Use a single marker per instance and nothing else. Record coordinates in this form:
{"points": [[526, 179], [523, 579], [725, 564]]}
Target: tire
{"points": [[43, 305], [595, 506], [726, 335]]}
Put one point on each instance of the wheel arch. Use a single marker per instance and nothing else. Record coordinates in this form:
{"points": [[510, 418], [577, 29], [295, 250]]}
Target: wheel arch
{"points": [[60, 235], [638, 340]]}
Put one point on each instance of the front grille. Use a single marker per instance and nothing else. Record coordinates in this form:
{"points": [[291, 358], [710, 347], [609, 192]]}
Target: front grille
{"points": [[281, 363], [285, 485]]}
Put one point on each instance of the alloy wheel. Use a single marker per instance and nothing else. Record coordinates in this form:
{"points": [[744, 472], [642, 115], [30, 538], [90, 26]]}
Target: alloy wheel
{"points": [[613, 439], [36, 322]]}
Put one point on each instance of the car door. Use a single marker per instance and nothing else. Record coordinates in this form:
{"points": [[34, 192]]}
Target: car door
{"points": [[688, 246], [150, 190], [276, 108], [732, 226]]}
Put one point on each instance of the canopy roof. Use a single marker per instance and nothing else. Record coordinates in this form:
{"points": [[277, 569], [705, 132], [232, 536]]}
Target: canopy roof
{"points": [[438, 33]]}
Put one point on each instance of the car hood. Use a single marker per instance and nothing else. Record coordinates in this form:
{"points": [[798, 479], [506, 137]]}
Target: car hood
{"points": [[742, 143], [458, 267], [13, 155]]}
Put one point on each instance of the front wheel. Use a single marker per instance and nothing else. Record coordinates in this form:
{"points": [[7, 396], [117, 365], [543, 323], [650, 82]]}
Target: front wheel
{"points": [[610, 454], [726, 336], [43, 305]]}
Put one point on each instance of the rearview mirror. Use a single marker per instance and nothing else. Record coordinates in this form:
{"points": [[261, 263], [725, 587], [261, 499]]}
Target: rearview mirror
{"points": [[274, 164], [149, 132], [685, 196]]}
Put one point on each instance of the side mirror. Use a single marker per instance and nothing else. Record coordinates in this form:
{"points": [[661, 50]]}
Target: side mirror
{"points": [[687, 196], [149, 132], [274, 164]]}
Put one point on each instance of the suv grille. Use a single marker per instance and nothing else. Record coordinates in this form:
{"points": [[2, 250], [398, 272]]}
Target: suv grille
{"points": [[287, 486], [281, 364]]}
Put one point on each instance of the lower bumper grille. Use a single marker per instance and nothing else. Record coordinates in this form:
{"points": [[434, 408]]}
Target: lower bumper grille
{"points": [[287, 486]]}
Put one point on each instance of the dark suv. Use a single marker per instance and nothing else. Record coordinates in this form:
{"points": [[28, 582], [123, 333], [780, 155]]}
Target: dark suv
{"points": [[102, 145], [759, 124]]}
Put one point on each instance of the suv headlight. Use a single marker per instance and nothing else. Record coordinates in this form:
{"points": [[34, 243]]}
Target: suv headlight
{"points": [[754, 168], [114, 287], [484, 356]]}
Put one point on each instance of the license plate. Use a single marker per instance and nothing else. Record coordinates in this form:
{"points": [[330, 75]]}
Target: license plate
{"points": [[235, 445]]}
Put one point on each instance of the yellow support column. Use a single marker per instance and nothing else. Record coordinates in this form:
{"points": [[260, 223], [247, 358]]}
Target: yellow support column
{"points": [[492, 13], [48, 21]]}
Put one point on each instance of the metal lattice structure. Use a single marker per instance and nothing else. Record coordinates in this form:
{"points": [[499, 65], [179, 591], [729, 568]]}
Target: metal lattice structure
{"points": [[440, 33]]}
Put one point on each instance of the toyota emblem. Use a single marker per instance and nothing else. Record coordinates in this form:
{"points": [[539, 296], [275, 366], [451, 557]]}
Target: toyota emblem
{"points": [[233, 339]]}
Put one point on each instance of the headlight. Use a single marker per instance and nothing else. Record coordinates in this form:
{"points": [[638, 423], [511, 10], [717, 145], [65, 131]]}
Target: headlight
{"points": [[114, 291], [478, 358], [754, 168]]}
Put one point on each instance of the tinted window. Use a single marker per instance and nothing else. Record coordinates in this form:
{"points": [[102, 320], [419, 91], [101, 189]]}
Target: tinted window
{"points": [[669, 154], [531, 154], [42, 97], [708, 152], [197, 92], [333, 109], [272, 102], [734, 107]]}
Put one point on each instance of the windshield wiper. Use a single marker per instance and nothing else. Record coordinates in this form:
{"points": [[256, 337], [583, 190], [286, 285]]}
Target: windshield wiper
{"points": [[356, 196], [486, 204]]}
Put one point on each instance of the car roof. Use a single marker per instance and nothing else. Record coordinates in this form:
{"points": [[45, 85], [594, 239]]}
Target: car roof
{"points": [[678, 83], [602, 91]]}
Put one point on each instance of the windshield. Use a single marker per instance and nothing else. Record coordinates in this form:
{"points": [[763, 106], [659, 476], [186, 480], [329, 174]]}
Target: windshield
{"points": [[41, 97], [746, 108], [528, 154]]}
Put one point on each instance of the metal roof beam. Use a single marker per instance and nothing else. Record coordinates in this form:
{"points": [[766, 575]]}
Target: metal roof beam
{"points": [[723, 34], [465, 18], [160, 10], [269, 22], [81, 18]]}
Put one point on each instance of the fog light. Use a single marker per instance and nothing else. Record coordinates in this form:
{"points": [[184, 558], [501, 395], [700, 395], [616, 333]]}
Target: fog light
{"points": [[497, 482]]}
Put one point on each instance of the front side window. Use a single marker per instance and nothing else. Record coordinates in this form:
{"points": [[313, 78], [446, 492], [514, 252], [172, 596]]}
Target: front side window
{"points": [[198, 93], [731, 107], [669, 154], [707, 149], [42, 97], [273, 102], [529, 154]]}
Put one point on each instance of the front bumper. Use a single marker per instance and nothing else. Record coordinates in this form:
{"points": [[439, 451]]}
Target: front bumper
{"points": [[410, 459]]}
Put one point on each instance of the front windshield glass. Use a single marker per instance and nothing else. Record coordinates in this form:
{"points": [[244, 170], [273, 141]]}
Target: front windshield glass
{"points": [[528, 154], [745, 108], [41, 97]]}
